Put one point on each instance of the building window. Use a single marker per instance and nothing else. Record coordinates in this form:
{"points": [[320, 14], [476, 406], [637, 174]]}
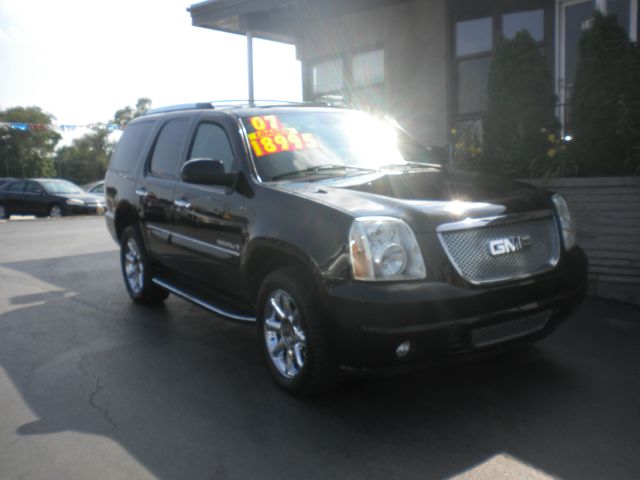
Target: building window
{"points": [[473, 78], [574, 17], [359, 77], [626, 11], [532, 21], [474, 44], [328, 77], [368, 68], [474, 36]]}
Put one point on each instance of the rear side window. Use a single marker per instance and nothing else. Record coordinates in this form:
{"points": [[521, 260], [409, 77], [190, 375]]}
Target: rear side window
{"points": [[16, 186], [211, 142], [33, 187], [130, 147], [166, 153]]}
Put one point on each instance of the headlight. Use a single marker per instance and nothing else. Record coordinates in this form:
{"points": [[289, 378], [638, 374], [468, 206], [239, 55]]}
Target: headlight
{"points": [[74, 201], [568, 227], [384, 248]]}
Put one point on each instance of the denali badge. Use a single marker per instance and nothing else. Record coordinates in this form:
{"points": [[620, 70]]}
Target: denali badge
{"points": [[502, 246]]}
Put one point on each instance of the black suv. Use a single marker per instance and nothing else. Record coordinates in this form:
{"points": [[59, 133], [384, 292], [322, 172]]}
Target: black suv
{"points": [[336, 233]]}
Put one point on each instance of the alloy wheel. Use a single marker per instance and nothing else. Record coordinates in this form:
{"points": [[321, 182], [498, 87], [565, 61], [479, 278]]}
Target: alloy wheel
{"points": [[133, 267], [55, 211], [284, 335]]}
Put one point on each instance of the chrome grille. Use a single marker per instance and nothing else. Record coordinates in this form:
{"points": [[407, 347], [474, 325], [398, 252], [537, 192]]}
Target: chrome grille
{"points": [[468, 249]]}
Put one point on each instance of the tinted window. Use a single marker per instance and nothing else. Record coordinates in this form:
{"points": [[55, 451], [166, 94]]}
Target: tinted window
{"points": [[531, 21], [130, 146], [211, 142], [16, 186], [166, 153], [474, 36], [33, 187]]}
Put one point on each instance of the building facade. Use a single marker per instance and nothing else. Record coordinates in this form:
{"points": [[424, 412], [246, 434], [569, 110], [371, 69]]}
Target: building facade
{"points": [[425, 62]]}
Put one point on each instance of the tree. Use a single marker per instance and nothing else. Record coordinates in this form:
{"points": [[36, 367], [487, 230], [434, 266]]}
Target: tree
{"points": [[27, 152], [87, 158], [128, 113], [605, 103], [520, 126]]}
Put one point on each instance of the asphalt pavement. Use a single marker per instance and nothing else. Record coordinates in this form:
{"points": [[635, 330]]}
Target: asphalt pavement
{"points": [[92, 386]]}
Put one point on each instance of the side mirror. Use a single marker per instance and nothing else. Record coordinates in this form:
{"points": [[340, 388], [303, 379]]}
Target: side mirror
{"points": [[205, 171]]}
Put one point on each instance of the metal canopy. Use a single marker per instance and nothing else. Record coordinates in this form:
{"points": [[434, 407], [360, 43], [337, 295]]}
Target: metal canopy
{"points": [[279, 20]]}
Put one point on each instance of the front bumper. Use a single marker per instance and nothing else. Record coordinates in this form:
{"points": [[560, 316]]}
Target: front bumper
{"points": [[84, 209], [369, 321]]}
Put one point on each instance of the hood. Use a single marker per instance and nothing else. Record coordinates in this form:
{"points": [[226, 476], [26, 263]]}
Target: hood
{"points": [[438, 195], [85, 197]]}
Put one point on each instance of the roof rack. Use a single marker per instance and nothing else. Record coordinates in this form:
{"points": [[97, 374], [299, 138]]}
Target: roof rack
{"points": [[178, 108], [327, 101]]}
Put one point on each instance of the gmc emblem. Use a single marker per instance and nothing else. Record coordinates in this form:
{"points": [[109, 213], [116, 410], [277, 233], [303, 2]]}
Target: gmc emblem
{"points": [[502, 246]]}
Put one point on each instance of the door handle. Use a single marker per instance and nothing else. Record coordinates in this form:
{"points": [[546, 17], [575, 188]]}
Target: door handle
{"points": [[182, 203], [141, 192]]}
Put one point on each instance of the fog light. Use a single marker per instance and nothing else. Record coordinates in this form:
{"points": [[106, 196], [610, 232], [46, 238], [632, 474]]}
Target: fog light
{"points": [[403, 349]]}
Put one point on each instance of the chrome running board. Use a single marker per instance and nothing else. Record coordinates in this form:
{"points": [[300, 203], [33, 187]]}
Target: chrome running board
{"points": [[201, 303]]}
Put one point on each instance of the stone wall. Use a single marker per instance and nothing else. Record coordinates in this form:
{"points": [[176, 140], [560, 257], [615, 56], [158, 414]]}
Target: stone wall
{"points": [[607, 213]]}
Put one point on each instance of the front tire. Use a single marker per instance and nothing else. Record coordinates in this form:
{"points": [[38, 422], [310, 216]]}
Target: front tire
{"points": [[137, 269], [55, 211], [292, 334]]}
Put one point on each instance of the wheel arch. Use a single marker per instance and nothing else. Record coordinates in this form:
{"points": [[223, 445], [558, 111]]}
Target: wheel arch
{"points": [[125, 215], [265, 256]]}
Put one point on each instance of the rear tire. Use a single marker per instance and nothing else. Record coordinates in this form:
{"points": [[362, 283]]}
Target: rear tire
{"points": [[137, 269], [292, 334]]}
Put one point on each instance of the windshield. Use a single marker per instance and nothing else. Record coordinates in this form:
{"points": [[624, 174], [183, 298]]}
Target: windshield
{"points": [[55, 187], [328, 143], [98, 188]]}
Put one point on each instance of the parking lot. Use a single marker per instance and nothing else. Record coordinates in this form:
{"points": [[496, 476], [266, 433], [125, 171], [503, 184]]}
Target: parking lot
{"points": [[92, 386]]}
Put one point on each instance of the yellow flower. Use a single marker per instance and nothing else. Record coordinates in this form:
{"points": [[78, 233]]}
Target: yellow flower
{"points": [[473, 150], [551, 153], [552, 138], [453, 131]]}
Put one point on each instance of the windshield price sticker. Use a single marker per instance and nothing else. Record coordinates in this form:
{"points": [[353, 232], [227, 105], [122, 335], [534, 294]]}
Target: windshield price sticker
{"points": [[271, 137]]}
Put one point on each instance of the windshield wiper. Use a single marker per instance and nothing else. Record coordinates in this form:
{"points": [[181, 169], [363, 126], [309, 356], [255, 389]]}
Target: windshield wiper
{"points": [[319, 169], [412, 165]]}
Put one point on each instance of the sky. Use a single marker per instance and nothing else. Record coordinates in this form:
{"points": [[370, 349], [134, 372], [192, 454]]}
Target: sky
{"points": [[81, 60]]}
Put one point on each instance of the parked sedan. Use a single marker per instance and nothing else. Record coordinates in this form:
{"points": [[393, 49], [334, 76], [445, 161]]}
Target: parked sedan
{"points": [[46, 197]]}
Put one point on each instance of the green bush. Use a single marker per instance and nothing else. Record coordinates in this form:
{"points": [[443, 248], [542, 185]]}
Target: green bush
{"points": [[605, 102], [521, 130]]}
